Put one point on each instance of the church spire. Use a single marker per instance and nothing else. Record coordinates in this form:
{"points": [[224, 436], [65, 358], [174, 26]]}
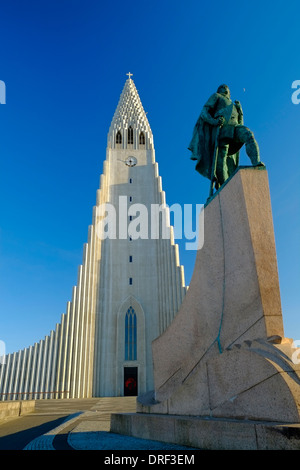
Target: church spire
{"points": [[130, 127]]}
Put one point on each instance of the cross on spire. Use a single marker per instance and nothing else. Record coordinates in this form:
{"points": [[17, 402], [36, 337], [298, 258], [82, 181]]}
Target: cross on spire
{"points": [[129, 75]]}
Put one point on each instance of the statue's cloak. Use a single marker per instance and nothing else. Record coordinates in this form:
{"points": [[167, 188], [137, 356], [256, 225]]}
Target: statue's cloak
{"points": [[202, 147]]}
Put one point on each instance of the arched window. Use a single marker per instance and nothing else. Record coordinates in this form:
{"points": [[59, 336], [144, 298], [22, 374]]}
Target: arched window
{"points": [[142, 138], [118, 138], [130, 335], [130, 135]]}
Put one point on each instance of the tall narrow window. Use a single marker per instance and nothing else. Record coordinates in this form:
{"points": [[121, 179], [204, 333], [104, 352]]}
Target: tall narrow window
{"points": [[130, 135], [118, 138], [130, 335], [142, 138]]}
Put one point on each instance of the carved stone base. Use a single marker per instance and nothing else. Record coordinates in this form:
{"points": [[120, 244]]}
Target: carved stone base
{"points": [[224, 355], [208, 433]]}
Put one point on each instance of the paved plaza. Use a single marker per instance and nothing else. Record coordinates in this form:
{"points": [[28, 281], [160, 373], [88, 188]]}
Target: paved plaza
{"points": [[73, 424]]}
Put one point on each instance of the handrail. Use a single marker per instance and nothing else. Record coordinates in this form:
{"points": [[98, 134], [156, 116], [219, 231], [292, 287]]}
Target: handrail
{"points": [[34, 393]]}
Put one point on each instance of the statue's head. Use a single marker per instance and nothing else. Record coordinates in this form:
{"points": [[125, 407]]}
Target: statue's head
{"points": [[224, 90]]}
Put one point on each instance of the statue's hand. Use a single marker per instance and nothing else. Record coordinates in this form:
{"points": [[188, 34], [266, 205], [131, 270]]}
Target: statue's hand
{"points": [[220, 121], [238, 105]]}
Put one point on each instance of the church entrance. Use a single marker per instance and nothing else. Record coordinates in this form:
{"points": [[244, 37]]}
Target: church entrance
{"points": [[130, 381]]}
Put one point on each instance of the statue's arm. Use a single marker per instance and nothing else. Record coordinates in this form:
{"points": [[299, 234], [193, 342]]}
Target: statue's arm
{"points": [[206, 113], [240, 112]]}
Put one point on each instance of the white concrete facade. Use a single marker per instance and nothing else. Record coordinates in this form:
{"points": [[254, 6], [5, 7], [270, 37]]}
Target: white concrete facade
{"points": [[128, 290]]}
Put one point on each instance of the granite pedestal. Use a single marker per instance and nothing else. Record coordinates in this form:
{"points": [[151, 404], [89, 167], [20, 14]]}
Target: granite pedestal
{"points": [[223, 370]]}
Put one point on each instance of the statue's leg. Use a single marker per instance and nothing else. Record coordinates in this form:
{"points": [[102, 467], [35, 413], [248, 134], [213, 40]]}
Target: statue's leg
{"points": [[244, 135], [222, 170]]}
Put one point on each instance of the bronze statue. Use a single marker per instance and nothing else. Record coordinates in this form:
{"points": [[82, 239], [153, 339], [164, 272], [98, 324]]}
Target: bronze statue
{"points": [[218, 136]]}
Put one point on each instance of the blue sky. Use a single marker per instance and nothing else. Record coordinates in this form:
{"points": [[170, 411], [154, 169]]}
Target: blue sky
{"points": [[64, 64]]}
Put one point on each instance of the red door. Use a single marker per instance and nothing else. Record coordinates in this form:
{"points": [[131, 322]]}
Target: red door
{"points": [[130, 381]]}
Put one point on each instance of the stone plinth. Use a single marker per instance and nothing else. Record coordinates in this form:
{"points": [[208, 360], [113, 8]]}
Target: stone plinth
{"points": [[224, 356], [208, 433]]}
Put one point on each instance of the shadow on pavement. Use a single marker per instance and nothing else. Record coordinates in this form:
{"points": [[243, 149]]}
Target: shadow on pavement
{"points": [[18, 440], [103, 440]]}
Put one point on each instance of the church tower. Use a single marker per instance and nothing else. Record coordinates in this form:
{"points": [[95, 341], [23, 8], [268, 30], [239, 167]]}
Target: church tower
{"points": [[142, 285], [130, 284]]}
